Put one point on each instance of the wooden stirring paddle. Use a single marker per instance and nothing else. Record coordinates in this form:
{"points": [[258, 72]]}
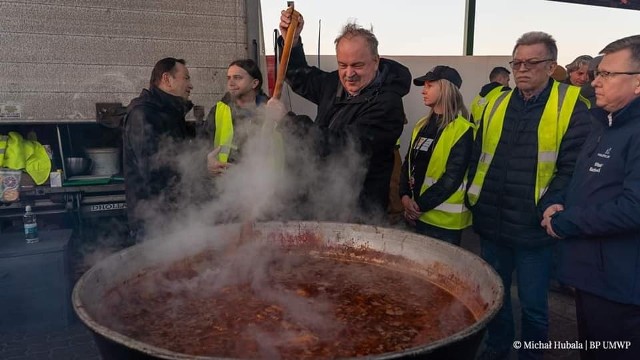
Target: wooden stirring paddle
{"points": [[247, 232], [286, 51]]}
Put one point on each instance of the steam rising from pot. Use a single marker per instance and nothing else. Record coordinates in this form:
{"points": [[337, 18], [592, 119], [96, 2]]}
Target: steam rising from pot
{"points": [[258, 187]]}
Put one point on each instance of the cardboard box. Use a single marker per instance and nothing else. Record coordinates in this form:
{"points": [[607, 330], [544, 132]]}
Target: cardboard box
{"points": [[55, 179]]}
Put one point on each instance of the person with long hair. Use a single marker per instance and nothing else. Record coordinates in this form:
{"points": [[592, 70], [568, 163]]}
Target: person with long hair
{"points": [[431, 185], [578, 70], [233, 118]]}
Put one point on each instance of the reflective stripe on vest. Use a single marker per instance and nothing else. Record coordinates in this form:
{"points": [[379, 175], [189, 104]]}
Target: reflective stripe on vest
{"points": [[451, 214], [551, 129], [479, 103], [223, 136]]}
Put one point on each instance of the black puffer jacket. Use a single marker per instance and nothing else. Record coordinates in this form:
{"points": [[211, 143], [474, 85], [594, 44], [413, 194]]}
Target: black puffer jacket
{"points": [[490, 86], [374, 118], [506, 209], [153, 119]]}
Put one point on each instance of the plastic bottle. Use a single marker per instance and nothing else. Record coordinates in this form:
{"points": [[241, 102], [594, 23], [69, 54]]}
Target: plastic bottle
{"points": [[30, 226]]}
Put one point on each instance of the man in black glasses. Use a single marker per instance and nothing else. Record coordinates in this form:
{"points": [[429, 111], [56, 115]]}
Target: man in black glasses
{"points": [[527, 143], [598, 217]]}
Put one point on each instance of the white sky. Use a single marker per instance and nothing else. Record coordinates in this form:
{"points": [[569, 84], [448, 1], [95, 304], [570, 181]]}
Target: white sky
{"points": [[436, 27]]}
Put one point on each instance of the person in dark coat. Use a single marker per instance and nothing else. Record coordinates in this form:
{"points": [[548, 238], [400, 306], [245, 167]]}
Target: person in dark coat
{"points": [[597, 216], [359, 103], [155, 118], [523, 149]]}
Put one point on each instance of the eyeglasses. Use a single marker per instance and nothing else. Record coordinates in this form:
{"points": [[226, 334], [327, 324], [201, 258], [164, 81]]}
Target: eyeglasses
{"points": [[528, 64], [609, 74]]}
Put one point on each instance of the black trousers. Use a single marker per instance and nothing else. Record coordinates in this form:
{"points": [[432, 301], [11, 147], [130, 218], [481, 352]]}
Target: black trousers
{"points": [[451, 236], [606, 325]]}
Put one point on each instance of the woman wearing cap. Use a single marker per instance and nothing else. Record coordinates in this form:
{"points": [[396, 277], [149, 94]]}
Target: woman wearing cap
{"points": [[435, 166]]}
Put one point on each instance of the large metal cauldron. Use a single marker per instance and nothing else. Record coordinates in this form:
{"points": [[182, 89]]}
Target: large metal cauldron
{"points": [[458, 271]]}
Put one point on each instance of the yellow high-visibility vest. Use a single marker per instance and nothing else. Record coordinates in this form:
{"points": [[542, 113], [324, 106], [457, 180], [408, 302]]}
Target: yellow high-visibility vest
{"points": [[18, 153], [551, 129], [223, 136], [452, 213], [479, 103], [3, 146]]}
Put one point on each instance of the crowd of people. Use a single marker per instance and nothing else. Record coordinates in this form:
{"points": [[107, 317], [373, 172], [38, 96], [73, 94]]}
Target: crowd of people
{"points": [[547, 173]]}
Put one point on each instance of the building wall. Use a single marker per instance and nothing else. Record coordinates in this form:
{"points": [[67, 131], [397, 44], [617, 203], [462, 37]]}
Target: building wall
{"points": [[60, 57]]}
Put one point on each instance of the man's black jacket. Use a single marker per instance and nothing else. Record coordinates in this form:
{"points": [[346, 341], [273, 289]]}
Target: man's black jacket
{"points": [[153, 119], [373, 119]]}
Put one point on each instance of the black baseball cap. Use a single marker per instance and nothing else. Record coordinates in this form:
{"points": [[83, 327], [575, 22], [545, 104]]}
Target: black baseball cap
{"points": [[440, 72]]}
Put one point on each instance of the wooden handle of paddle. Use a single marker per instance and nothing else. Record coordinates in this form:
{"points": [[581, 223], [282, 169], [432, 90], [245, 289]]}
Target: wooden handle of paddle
{"points": [[286, 52]]}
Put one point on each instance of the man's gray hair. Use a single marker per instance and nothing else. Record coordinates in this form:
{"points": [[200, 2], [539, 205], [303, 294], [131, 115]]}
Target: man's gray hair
{"points": [[630, 42], [352, 30], [578, 62], [539, 37]]}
